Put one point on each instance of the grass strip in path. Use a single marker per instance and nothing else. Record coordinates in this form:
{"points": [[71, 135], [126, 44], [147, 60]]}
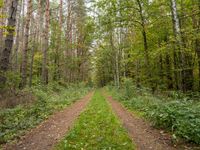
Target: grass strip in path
{"points": [[97, 129]]}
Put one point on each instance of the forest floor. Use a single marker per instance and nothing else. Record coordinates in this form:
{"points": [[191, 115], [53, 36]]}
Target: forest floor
{"points": [[50, 132], [46, 135]]}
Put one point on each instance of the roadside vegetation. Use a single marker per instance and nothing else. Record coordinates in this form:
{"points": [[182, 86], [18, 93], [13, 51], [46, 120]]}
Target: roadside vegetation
{"points": [[15, 121], [175, 112], [97, 128]]}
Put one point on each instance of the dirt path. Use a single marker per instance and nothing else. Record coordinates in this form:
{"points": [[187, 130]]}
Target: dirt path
{"points": [[46, 135], [142, 134]]}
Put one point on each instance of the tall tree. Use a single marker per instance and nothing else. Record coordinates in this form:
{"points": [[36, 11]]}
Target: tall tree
{"points": [[46, 43], [6, 50], [25, 47], [17, 39]]}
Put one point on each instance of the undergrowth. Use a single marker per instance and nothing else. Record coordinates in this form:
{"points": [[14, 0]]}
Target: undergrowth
{"points": [[14, 122], [178, 114], [97, 129]]}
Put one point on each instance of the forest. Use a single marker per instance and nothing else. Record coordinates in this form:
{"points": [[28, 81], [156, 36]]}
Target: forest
{"points": [[100, 74]]}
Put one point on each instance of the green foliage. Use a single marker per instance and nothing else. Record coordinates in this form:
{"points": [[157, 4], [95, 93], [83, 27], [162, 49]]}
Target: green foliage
{"points": [[13, 80], [1, 4], [180, 117], [128, 86], [14, 122], [142, 33], [176, 113], [97, 128]]}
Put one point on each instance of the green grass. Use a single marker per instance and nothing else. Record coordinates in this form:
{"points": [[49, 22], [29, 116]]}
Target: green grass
{"points": [[179, 116], [97, 129], [15, 121]]}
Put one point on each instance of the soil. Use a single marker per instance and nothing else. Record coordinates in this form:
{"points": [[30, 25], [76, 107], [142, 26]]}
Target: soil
{"points": [[142, 133], [51, 131]]}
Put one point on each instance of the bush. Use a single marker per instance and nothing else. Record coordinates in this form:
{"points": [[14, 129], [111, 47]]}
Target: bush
{"points": [[128, 87], [12, 81], [180, 117]]}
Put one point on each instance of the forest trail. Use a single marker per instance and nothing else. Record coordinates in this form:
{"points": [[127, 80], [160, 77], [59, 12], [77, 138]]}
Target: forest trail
{"points": [[46, 135], [142, 134]]}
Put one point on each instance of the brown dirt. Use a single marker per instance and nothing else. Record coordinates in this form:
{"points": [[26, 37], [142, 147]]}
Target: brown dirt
{"points": [[143, 135], [46, 135]]}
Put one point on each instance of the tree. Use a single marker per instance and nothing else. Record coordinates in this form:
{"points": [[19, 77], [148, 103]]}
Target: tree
{"points": [[46, 43], [6, 50], [25, 47]]}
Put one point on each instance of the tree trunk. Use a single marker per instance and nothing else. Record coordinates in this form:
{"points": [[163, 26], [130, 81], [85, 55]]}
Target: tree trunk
{"points": [[168, 73], [196, 26], [117, 68], [6, 51], [180, 59], [15, 65], [146, 52], [1, 25], [68, 52], [188, 62], [59, 50], [25, 47], [31, 63], [46, 44], [33, 48], [40, 24], [22, 26]]}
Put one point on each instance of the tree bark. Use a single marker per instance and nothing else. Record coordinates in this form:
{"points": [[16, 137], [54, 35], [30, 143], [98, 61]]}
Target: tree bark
{"points": [[178, 50], [31, 63], [25, 47], [46, 44], [15, 65], [40, 24], [6, 51]]}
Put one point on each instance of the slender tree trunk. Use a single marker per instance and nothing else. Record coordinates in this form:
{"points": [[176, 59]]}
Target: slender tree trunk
{"points": [[57, 72], [146, 51], [22, 26], [39, 24], [144, 33], [25, 48], [115, 60], [31, 63], [4, 12], [179, 59], [137, 66], [34, 46], [117, 68], [15, 67], [196, 26], [46, 44], [168, 72], [68, 53], [6, 51], [1, 25]]}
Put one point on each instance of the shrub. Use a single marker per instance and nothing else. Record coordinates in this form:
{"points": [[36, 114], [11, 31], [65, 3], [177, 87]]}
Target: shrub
{"points": [[180, 117], [128, 87]]}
